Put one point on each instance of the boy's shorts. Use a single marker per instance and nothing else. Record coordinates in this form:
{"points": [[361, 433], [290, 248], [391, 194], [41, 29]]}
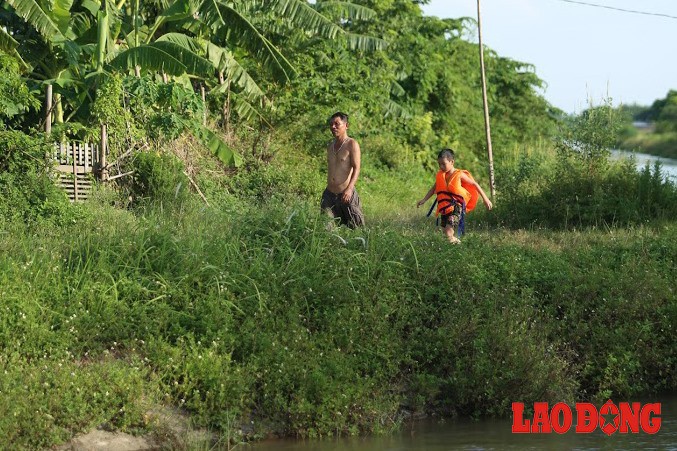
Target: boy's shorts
{"points": [[453, 218]]}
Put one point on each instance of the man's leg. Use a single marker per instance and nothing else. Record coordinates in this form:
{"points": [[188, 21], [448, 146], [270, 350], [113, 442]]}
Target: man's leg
{"points": [[329, 207], [353, 212]]}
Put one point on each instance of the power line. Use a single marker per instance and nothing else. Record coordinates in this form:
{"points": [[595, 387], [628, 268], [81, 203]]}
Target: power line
{"points": [[620, 9]]}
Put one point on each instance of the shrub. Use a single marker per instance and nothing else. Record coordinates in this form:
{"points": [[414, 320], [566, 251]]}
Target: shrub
{"points": [[15, 98], [27, 190], [158, 178]]}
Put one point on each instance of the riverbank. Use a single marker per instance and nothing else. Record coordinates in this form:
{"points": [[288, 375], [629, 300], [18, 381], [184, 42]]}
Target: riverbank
{"points": [[243, 315], [668, 166], [647, 141]]}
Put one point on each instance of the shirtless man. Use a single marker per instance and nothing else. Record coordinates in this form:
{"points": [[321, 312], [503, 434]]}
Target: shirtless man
{"points": [[340, 199]]}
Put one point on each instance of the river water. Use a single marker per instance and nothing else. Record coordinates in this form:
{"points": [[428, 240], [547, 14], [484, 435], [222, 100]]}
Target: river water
{"points": [[486, 434], [668, 165]]}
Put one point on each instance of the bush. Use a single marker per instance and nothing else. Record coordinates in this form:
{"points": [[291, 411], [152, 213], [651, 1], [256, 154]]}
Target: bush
{"points": [[578, 186], [263, 320], [158, 178], [27, 190], [385, 151], [15, 97]]}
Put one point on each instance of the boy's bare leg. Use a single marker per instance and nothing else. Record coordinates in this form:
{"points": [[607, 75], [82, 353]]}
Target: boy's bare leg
{"points": [[449, 232]]}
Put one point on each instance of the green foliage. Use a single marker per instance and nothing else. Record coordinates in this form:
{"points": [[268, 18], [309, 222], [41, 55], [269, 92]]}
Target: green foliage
{"points": [[251, 315], [578, 185], [265, 183], [158, 178], [667, 121], [589, 137], [111, 108], [541, 190], [660, 136], [663, 144], [273, 320], [15, 97], [423, 90], [385, 151], [166, 108], [27, 191], [50, 399]]}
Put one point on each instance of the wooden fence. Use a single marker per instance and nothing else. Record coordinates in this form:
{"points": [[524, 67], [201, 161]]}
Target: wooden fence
{"points": [[77, 163]]}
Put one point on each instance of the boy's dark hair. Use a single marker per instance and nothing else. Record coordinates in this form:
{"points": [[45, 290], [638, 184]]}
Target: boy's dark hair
{"points": [[340, 115], [447, 154]]}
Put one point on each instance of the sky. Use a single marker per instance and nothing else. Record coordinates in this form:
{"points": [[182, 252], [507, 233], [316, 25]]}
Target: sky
{"points": [[584, 54]]}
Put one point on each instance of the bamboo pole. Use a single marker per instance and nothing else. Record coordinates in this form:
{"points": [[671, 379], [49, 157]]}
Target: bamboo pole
{"points": [[487, 126], [48, 109], [75, 171], [203, 94], [103, 174]]}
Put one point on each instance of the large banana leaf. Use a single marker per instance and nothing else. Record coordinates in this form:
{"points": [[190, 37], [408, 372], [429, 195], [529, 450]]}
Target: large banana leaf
{"points": [[221, 60], [216, 145], [33, 14], [303, 15], [148, 57], [81, 24], [246, 110], [396, 89], [366, 43], [61, 13], [91, 6], [229, 25], [195, 64], [395, 110], [226, 63], [300, 13], [142, 34], [178, 10], [347, 10], [8, 44]]}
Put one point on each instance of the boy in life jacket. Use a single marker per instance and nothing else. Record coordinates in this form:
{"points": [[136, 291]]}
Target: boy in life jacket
{"points": [[457, 194]]}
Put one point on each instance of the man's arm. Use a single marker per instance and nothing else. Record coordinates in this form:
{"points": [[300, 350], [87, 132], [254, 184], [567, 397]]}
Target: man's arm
{"points": [[355, 162]]}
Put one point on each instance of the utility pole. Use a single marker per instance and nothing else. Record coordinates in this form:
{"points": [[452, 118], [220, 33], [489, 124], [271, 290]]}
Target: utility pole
{"points": [[487, 127]]}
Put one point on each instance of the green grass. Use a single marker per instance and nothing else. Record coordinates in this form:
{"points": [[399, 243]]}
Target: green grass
{"points": [[254, 316], [261, 316]]}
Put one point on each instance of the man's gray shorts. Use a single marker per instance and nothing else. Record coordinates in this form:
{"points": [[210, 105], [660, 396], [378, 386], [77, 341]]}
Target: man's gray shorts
{"points": [[349, 213]]}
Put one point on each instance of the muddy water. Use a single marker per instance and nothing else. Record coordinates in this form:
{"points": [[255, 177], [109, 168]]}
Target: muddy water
{"points": [[438, 435]]}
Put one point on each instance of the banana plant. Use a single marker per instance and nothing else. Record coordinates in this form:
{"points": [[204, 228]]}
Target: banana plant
{"points": [[70, 44], [9, 45], [57, 41]]}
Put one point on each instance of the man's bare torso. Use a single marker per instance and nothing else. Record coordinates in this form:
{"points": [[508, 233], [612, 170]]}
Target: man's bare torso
{"points": [[339, 165]]}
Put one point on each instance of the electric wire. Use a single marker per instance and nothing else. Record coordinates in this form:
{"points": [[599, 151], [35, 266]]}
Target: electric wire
{"points": [[620, 9]]}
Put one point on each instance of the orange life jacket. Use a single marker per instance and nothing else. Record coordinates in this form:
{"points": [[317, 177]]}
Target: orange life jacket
{"points": [[456, 191]]}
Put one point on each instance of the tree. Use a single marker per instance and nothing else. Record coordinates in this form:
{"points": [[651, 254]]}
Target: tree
{"points": [[15, 98]]}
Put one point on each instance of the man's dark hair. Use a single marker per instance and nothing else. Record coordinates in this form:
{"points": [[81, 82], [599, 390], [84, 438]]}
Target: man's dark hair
{"points": [[340, 115], [447, 154]]}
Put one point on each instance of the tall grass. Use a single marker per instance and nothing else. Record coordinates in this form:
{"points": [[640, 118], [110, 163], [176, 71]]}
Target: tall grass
{"points": [[258, 317], [541, 188], [254, 314]]}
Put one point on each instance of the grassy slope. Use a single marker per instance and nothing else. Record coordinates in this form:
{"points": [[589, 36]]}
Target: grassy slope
{"points": [[254, 311]]}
